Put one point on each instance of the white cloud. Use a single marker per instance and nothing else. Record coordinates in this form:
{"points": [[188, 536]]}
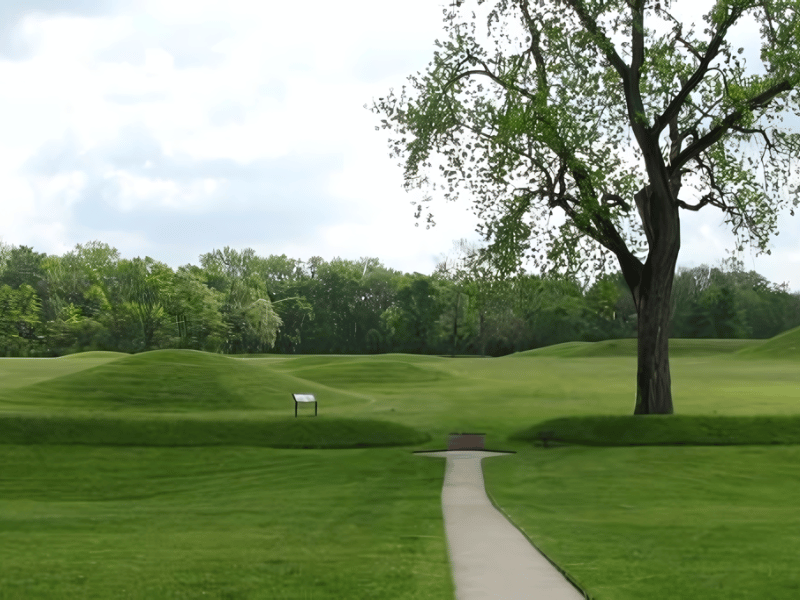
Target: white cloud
{"points": [[171, 127]]}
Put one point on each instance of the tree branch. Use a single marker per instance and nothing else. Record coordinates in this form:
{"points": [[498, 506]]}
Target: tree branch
{"points": [[628, 75], [602, 41], [674, 107], [716, 133], [689, 47], [707, 199], [750, 131], [535, 49], [637, 38], [616, 200], [487, 73]]}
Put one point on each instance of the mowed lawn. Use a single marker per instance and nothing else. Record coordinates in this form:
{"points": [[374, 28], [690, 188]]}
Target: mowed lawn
{"points": [[109, 522], [660, 523], [236, 521]]}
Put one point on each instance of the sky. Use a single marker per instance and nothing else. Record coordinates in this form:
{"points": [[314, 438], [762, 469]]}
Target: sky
{"points": [[169, 128]]}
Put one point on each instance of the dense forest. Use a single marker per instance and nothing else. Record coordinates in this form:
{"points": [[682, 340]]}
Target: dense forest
{"points": [[238, 302]]}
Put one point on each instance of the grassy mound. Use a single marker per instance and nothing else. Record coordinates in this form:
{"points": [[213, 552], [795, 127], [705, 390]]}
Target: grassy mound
{"points": [[105, 430], [567, 349], [347, 372], [168, 378], [18, 373], [628, 347], [172, 380], [93, 354], [666, 430], [784, 345]]}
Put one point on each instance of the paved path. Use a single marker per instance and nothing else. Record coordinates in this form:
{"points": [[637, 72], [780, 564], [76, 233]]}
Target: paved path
{"points": [[489, 557]]}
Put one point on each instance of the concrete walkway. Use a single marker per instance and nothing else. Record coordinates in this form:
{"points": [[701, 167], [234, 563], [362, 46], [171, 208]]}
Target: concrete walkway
{"points": [[489, 557]]}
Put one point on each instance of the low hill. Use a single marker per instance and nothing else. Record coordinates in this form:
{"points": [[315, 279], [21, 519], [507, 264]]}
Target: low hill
{"points": [[22, 372], [94, 354], [628, 347], [350, 372], [785, 345], [173, 380]]}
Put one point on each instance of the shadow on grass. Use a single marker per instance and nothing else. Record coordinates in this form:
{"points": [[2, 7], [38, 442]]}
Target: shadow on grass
{"points": [[181, 431], [664, 430]]}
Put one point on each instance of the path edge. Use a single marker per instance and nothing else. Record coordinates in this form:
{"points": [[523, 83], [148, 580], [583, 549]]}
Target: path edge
{"points": [[566, 575], [499, 508]]}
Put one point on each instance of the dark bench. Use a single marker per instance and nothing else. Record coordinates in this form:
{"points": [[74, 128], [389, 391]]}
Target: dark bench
{"points": [[466, 441]]}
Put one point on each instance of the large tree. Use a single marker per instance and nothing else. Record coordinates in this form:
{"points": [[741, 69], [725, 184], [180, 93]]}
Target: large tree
{"points": [[582, 128], [252, 323]]}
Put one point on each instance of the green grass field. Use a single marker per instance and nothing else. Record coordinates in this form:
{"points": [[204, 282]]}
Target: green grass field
{"points": [[178, 474]]}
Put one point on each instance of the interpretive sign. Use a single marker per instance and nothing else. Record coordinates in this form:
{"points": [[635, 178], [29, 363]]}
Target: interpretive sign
{"points": [[298, 398]]}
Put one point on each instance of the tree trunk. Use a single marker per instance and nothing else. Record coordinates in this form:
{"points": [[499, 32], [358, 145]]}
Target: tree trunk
{"points": [[653, 382], [651, 286], [455, 323], [481, 333]]}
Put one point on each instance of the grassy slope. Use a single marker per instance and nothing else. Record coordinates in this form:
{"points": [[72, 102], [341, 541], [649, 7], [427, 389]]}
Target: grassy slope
{"points": [[660, 522], [559, 496], [627, 347], [170, 381], [673, 522], [21, 372], [185, 398], [665, 430], [783, 346], [144, 523], [634, 522], [104, 430]]}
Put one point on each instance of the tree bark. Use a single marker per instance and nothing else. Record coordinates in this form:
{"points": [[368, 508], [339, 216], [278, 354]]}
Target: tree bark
{"points": [[653, 381], [651, 287], [455, 323]]}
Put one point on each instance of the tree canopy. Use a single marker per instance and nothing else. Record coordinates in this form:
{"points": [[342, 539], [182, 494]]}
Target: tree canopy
{"points": [[580, 129], [92, 299]]}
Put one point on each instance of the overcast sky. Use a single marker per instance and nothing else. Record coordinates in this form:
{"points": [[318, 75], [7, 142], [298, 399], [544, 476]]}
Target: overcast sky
{"points": [[169, 128]]}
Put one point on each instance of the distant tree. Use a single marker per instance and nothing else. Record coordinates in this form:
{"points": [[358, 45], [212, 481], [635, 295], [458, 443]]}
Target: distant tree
{"points": [[378, 290], [263, 321], [194, 309], [462, 268], [296, 313], [413, 319], [556, 310], [336, 304], [486, 300], [77, 307], [5, 249], [19, 319], [603, 297], [278, 271], [714, 315], [252, 323], [141, 295], [704, 295], [374, 341], [611, 311], [83, 277], [454, 322], [582, 129], [23, 266]]}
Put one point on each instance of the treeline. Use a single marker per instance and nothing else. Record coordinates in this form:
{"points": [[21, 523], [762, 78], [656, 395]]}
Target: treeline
{"points": [[238, 302]]}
